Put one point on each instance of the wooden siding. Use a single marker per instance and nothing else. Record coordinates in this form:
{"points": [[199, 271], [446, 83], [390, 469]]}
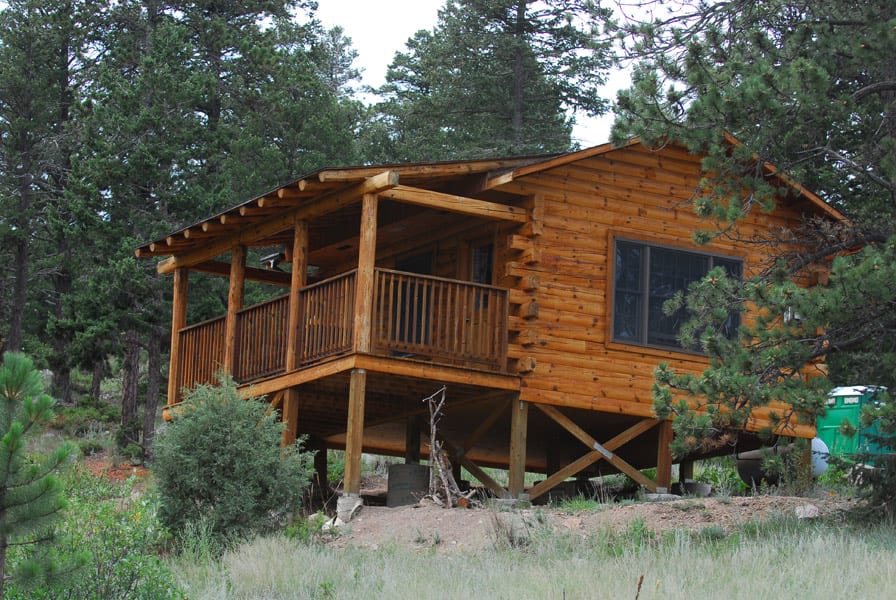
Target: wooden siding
{"points": [[566, 352]]}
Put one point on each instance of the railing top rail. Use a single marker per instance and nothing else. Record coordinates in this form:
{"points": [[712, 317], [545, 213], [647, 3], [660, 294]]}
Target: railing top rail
{"points": [[329, 280], [205, 323], [442, 279], [279, 298]]}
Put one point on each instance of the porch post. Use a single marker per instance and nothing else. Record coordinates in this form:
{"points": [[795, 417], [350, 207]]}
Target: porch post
{"points": [[364, 281], [412, 440], [178, 322], [354, 435], [234, 304], [519, 420], [664, 457], [297, 282]]}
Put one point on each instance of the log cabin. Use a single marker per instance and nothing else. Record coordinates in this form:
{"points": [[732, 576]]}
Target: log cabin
{"points": [[530, 287]]}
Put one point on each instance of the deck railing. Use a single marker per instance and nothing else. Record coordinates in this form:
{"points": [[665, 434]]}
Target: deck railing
{"points": [[201, 352], [328, 317], [419, 316], [442, 319], [261, 332]]}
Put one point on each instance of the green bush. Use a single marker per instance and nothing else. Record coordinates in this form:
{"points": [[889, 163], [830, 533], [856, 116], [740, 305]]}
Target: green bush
{"points": [[220, 461], [116, 534]]}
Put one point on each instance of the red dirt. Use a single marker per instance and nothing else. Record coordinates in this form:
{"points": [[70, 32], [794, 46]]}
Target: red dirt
{"points": [[100, 464]]}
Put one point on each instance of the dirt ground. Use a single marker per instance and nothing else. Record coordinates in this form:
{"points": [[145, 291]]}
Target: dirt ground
{"points": [[427, 525]]}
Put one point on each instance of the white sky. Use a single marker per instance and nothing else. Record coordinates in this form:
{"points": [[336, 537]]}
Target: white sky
{"points": [[379, 28]]}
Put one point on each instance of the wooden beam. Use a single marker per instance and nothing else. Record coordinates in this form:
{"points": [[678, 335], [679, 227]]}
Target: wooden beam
{"points": [[456, 204], [269, 276], [364, 279], [440, 373], [519, 418], [664, 457], [298, 377], [320, 206], [598, 452], [178, 322], [474, 469], [297, 282], [234, 304], [354, 433]]}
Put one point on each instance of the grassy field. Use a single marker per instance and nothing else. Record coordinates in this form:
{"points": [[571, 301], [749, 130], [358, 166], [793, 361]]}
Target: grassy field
{"points": [[781, 559]]}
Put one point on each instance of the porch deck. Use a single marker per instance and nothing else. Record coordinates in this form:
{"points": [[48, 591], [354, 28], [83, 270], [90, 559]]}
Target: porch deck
{"points": [[444, 321]]}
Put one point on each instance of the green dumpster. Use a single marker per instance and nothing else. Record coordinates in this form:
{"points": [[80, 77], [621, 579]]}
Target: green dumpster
{"points": [[844, 405]]}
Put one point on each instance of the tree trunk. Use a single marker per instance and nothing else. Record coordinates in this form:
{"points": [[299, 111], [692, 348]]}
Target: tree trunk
{"points": [[97, 381], [519, 75], [153, 384], [130, 377]]}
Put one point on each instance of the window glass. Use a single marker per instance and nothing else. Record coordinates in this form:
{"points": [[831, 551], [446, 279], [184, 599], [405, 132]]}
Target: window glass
{"points": [[645, 277]]}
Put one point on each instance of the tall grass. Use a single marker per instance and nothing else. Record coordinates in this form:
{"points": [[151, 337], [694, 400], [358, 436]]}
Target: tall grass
{"points": [[780, 560]]}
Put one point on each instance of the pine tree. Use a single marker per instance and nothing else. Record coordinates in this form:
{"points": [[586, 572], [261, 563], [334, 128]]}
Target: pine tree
{"points": [[811, 88], [492, 78], [30, 495]]}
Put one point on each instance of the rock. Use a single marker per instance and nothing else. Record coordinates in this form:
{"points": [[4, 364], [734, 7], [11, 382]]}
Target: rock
{"points": [[661, 497], [334, 523], [807, 511]]}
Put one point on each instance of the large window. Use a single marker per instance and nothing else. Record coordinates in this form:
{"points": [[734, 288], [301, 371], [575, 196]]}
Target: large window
{"points": [[645, 277]]}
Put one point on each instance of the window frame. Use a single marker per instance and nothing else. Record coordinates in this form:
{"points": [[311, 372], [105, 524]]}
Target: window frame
{"points": [[644, 292]]}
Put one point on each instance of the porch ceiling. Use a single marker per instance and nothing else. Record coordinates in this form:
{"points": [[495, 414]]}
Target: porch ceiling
{"points": [[461, 177]]}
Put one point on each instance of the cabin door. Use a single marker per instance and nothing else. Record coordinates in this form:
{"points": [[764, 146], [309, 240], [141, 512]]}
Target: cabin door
{"points": [[413, 306], [482, 270]]}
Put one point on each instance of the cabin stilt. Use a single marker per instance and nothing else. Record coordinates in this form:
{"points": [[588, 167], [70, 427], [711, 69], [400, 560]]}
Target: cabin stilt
{"points": [[354, 435], [664, 457], [519, 418]]}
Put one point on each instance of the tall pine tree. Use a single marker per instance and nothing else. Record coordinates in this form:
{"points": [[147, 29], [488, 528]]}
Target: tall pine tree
{"points": [[811, 88], [492, 78]]}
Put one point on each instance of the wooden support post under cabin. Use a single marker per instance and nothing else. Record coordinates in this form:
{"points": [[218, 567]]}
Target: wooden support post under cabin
{"points": [[319, 447], [364, 282], [354, 435], [685, 470], [519, 419], [178, 322], [234, 305], [412, 440], [664, 457], [297, 282]]}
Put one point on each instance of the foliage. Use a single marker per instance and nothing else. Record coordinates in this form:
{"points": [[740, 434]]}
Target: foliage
{"points": [[808, 87], [114, 529], [721, 474], [493, 78], [31, 496], [220, 459]]}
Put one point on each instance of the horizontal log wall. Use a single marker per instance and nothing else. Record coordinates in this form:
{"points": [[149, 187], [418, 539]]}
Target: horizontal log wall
{"points": [[560, 324]]}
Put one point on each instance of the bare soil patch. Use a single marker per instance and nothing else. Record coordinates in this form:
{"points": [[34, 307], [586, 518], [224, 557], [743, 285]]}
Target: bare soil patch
{"points": [[427, 525]]}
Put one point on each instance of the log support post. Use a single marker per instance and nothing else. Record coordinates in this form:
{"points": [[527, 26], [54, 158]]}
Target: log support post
{"points": [[664, 457], [412, 440], [519, 419], [297, 282], [354, 435], [364, 281], [234, 305], [178, 322]]}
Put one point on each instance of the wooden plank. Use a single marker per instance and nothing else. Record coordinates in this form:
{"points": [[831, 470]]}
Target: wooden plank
{"points": [[473, 468], [287, 380], [297, 282], [178, 322], [456, 204], [320, 206], [519, 418], [234, 305], [364, 281], [485, 426], [539, 489], [354, 433]]}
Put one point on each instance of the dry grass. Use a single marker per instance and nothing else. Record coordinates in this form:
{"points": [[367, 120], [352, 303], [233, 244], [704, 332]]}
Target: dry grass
{"points": [[779, 560]]}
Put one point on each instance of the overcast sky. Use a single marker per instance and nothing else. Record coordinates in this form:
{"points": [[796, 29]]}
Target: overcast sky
{"points": [[379, 28]]}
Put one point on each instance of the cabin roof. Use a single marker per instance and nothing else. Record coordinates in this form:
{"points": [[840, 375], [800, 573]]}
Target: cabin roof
{"points": [[463, 177]]}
